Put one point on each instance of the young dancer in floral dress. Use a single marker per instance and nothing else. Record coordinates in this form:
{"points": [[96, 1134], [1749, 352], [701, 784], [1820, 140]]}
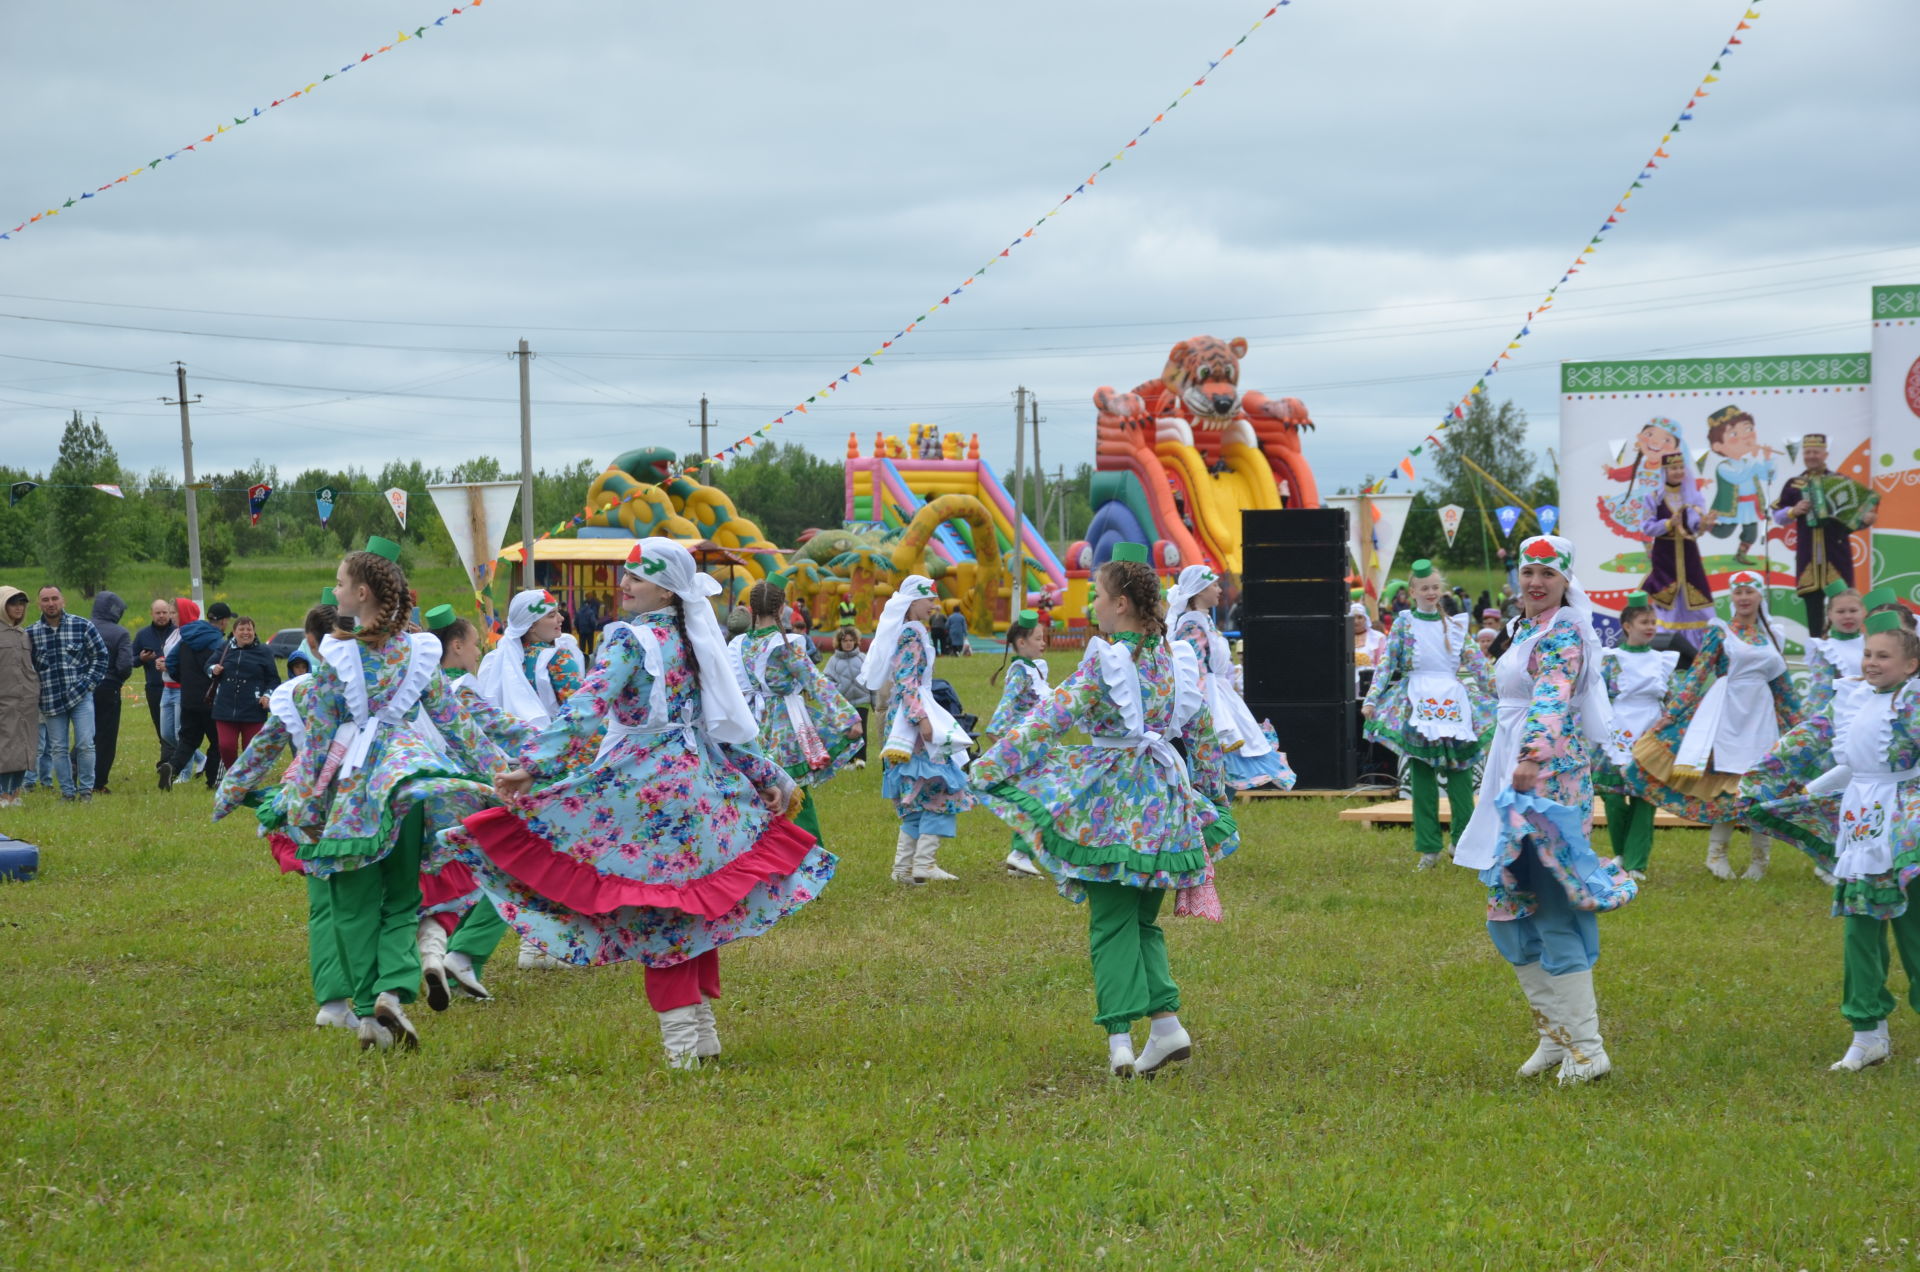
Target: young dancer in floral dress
{"points": [[1835, 657], [1637, 679], [535, 668], [1723, 717], [1430, 703], [1120, 821], [923, 752], [1025, 671], [1254, 758], [655, 834], [1530, 837], [806, 727]]}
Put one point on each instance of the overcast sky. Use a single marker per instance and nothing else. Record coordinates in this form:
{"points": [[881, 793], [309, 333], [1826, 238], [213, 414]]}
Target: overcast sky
{"points": [[743, 200]]}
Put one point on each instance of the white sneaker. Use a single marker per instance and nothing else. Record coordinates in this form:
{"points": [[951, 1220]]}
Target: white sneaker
{"points": [[1428, 860], [1020, 863], [391, 1016], [706, 1043], [460, 967], [1162, 1050], [337, 1014], [373, 1035], [859, 764], [1865, 1051], [1120, 1055], [1638, 876]]}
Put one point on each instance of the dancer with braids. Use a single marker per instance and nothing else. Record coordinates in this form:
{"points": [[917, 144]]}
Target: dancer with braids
{"points": [[1530, 837], [1637, 678], [1430, 703], [806, 727], [1025, 670], [368, 788], [661, 841], [924, 754], [1253, 755], [1833, 660], [1120, 821], [1723, 717]]}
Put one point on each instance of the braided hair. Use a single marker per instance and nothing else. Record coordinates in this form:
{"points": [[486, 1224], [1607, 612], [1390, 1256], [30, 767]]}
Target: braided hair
{"points": [[390, 595], [766, 599], [680, 628], [319, 622], [1017, 632], [1136, 581]]}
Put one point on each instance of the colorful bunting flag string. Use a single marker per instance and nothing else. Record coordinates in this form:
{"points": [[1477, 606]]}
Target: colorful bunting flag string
{"points": [[240, 120], [1648, 170], [845, 378]]}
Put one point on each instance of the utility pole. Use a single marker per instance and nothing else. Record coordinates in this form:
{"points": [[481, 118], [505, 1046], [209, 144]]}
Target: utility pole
{"points": [[193, 502], [1019, 498], [526, 468], [702, 426], [1039, 469]]}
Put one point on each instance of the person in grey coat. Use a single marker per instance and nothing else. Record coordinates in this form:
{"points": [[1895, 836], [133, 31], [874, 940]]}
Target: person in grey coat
{"points": [[843, 670], [19, 697], [107, 610]]}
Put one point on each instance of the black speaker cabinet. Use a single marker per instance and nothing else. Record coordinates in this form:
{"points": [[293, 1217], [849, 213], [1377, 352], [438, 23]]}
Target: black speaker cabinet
{"points": [[1294, 527], [1297, 659], [1321, 740]]}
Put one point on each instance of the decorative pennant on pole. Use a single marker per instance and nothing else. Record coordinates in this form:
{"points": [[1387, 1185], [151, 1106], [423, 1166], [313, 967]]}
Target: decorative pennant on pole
{"points": [[1549, 518], [110, 488], [397, 500], [476, 515], [1508, 516], [256, 500], [323, 502], [20, 490], [1450, 516]]}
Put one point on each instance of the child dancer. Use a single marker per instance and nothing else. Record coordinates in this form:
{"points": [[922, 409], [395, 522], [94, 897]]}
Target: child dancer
{"points": [[1119, 822], [1637, 677], [925, 752], [1531, 832], [368, 787], [662, 841], [1253, 752], [1726, 713], [1025, 669], [1835, 657], [805, 727], [1430, 703]]}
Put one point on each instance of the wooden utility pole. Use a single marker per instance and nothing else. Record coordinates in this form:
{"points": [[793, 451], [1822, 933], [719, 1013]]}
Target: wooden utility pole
{"points": [[193, 503], [526, 468], [1039, 469], [1019, 498], [705, 454]]}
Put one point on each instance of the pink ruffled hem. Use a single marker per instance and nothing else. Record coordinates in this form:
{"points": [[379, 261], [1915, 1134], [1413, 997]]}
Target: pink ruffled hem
{"points": [[534, 862], [452, 883], [286, 853]]}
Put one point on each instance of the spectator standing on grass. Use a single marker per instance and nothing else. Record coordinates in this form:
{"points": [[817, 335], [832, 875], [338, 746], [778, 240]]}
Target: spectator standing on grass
{"points": [[107, 609], [72, 660], [586, 625], [957, 632], [149, 653], [198, 647], [843, 670], [243, 678], [19, 697], [185, 611]]}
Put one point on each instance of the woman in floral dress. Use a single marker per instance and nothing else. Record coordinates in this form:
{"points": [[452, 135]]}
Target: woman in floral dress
{"points": [[1724, 715], [924, 752], [1530, 837], [806, 727], [1429, 702], [1120, 821], [655, 833], [1253, 755], [367, 789], [1025, 672]]}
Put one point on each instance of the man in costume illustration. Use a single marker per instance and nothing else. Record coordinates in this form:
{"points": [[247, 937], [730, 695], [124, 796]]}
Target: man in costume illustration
{"points": [[1824, 508]]}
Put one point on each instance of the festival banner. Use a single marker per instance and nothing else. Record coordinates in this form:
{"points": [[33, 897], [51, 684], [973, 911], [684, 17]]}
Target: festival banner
{"points": [[1374, 523], [1508, 515], [397, 500], [1746, 416], [256, 500], [323, 502], [1450, 515], [1896, 439], [20, 490], [220, 130], [476, 514], [110, 488], [1548, 516]]}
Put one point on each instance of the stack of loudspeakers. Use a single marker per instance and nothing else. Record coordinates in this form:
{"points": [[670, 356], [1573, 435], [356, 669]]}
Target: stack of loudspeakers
{"points": [[1297, 641]]}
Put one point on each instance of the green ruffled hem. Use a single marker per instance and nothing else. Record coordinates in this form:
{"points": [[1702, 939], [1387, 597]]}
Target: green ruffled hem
{"points": [[1451, 755], [360, 851], [1877, 896], [1797, 835], [1190, 862]]}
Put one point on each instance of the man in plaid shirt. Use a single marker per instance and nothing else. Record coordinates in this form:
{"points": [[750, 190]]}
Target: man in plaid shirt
{"points": [[71, 659]]}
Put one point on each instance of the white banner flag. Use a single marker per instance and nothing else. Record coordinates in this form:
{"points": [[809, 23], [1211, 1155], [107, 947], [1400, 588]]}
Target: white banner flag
{"points": [[1450, 516], [477, 515], [397, 500]]}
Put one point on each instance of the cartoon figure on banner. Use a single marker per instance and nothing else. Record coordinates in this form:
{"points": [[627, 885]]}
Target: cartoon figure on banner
{"points": [[1741, 479], [1823, 508], [1672, 520], [1622, 513]]}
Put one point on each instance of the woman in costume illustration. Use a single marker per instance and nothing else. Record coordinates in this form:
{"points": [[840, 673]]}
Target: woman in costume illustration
{"points": [[1673, 516], [1624, 513]]}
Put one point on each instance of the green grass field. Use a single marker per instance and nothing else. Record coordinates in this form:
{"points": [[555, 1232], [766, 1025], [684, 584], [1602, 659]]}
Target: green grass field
{"points": [[912, 1078]]}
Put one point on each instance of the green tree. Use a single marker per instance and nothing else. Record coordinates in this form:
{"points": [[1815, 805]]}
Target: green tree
{"points": [[81, 522], [784, 490], [20, 523], [1495, 439], [216, 548]]}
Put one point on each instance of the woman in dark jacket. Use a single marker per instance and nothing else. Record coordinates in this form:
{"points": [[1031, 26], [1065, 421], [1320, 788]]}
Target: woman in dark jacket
{"points": [[244, 674]]}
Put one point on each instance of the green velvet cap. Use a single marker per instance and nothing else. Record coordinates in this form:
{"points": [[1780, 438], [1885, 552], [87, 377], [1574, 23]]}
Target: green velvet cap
{"points": [[383, 548], [1885, 621], [327, 597], [1880, 596], [439, 616], [1130, 552]]}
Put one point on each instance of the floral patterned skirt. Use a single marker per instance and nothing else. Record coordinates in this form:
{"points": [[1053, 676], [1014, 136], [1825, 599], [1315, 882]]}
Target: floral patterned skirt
{"points": [[1271, 769], [922, 784]]}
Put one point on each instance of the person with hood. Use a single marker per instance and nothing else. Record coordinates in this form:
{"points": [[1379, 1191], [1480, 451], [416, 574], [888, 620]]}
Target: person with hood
{"points": [[19, 697], [149, 654], [72, 660], [107, 609], [198, 648], [243, 677]]}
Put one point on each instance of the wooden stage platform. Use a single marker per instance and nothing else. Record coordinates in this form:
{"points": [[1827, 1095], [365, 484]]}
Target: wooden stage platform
{"points": [[1361, 792], [1400, 813]]}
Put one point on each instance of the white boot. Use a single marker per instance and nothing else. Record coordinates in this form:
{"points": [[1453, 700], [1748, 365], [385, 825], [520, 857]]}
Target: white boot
{"points": [[1544, 1003], [460, 968], [707, 1038], [1120, 1055], [680, 1034], [1718, 837], [1866, 1050], [903, 859], [1762, 853], [532, 956], [1019, 863], [1579, 1030], [432, 939], [925, 868], [336, 1014], [390, 1015]]}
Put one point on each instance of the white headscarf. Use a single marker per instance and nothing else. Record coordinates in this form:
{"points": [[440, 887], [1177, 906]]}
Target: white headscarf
{"points": [[723, 708], [1192, 581], [1757, 581], [503, 672], [1589, 692], [886, 635]]}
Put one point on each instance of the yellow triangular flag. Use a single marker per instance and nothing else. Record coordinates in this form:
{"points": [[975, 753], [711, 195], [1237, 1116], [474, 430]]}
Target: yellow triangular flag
{"points": [[1711, 79]]}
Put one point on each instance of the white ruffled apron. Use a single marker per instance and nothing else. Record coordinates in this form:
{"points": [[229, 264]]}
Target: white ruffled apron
{"points": [[1841, 655], [656, 720], [1871, 801], [1734, 726], [1644, 678], [1479, 844], [280, 707], [1232, 720], [753, 683], [353, 740], [1440, 708]]}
